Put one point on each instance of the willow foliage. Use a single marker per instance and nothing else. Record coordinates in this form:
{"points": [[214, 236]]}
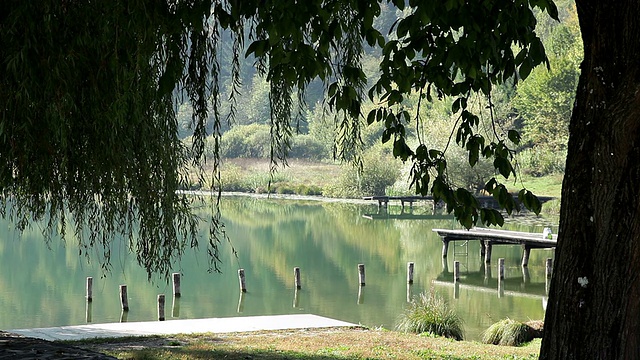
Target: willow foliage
{"points": [[89, 91]]}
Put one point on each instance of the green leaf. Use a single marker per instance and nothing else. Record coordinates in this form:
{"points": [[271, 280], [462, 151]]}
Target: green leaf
{"points": [[525, 68], [503, 166], [258, 48], [514, 136], [530, 201], [386, 135], [371, 117]]}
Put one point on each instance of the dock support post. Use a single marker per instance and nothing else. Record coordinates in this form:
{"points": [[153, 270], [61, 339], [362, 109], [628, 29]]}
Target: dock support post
{"points": [[549, 268], [445, 247], [487, 253], [445, 265], [456, 271], [409, 273], [361, 274], [525, 276], [548, 271], [501, 268], [482, 250], [525, 255]]}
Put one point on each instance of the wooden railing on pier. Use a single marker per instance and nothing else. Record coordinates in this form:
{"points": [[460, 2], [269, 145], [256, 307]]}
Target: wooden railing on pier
{"points": [[490, 237]]}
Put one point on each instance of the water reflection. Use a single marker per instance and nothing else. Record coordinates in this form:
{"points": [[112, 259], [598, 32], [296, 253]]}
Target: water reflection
{"points": [[326, 241]]}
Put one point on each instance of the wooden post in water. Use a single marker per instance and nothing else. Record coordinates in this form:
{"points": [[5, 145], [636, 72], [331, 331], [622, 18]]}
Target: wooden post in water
{"points": [[296, 276], [482, 250], [456, 290], [456, 271], [176, 284], [241, 303], [296, 299], [88, 311], [89, 289], [160, 307], [124, 300], [243, 285], [361, 274], [409, 273], [548, 271], [124, 315], [175, 307], [501, 268], [525, 255], [487, 251]]}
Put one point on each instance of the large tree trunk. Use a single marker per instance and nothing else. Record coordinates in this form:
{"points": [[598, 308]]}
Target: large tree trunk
{"points": [[594, 303]]}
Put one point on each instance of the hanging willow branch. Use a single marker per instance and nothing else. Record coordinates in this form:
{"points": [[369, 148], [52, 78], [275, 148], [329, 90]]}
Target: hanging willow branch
{"points": [[88, 92]]}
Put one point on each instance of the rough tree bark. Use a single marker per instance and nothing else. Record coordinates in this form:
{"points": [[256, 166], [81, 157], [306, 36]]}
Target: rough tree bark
{"points": [[594, 306]]}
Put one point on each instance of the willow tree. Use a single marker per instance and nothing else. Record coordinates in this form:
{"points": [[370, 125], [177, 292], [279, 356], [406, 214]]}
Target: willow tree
{"points": [[88, 92]]}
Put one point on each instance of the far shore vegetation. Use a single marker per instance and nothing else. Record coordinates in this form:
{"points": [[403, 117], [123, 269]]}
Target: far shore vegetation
{"points": [[334, 180]]}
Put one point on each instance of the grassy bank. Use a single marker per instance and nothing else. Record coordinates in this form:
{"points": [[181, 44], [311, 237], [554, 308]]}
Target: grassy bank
{"points": [[317, 344]]}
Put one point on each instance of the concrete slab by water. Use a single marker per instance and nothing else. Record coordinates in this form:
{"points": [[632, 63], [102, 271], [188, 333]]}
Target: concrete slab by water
{"points": [[170, 327]]}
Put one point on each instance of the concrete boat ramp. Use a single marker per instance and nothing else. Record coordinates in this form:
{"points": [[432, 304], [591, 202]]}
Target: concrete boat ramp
{"points": [[183, 326]]}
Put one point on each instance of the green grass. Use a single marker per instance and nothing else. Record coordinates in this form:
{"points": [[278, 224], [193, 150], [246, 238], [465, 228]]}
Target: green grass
{"points": [[308, 344], [508, 332], [549, 185]]}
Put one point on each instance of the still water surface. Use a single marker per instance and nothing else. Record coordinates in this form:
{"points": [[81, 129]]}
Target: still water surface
{"points": [[42, 287]]}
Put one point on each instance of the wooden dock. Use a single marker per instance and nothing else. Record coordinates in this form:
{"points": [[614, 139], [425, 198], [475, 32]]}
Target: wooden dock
{"points": [[408, 216], [490, 237], [485, 201], [383, 201]]}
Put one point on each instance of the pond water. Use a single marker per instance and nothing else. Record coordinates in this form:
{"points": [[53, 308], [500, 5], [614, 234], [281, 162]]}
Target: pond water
{"points": [[44, 286]]}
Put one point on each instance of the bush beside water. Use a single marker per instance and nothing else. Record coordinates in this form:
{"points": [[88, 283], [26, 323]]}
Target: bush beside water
{"points": [[430, 313], [509, 332]]}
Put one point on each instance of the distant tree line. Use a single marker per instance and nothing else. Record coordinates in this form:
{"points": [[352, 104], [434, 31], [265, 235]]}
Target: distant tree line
{"points": [[539, 109]]}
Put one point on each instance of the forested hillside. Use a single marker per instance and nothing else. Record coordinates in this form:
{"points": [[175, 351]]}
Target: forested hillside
{"points": [[539, 108]]}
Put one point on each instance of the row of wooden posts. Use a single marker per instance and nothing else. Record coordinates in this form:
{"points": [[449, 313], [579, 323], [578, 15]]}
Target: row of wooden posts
{"points": [[456, 275], [124, 299], [297, 282], [456, 269]]}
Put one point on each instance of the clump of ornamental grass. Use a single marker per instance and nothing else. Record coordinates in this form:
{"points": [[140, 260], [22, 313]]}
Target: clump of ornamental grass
{"points": [[430, 313], [509, 332]]}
